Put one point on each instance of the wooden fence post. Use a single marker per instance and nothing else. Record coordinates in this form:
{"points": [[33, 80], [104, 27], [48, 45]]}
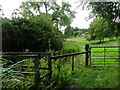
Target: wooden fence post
{"points": [[73, 61], [87, 54], [90, 55], [50, 65], [37, 74], [119, 55]]}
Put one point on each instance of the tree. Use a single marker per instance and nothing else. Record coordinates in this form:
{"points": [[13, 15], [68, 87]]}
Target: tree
{"points": [[38, 28], [64, 14], [34, 34], [10, 36], [77, 33], [61, 15], [69, 31], [101, 28], [108, 10]]}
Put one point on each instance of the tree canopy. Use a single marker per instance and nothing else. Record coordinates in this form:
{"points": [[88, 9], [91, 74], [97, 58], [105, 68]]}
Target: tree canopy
{"points": [[61, 14], [108, 10], [35, 26], [101, 28], [34, 34], [107, 19]]}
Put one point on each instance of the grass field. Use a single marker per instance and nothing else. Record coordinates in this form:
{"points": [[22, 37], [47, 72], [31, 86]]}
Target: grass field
{"points": [[78, 44], [92, 77]]}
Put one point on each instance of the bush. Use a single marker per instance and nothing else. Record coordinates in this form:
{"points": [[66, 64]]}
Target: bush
{"points": [[34, 34]]}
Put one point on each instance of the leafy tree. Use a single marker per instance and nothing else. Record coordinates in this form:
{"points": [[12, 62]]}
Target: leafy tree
{"points": [[99, 29], [64, 14], [108, 10], [34, 34], [77, 33], [37, 28], [10, 36], [69, 31], [61, 15]]}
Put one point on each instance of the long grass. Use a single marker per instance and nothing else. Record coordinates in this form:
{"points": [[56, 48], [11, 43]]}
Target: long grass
{"points": [[93, 77], [78, 43], [97, 77], [81, 77]]}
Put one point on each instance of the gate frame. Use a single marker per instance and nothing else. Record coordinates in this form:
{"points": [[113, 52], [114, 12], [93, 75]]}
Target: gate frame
{"points": [[104, 52]]}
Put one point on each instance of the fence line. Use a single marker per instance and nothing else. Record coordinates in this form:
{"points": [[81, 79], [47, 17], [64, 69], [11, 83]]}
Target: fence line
{"points": [[38, 55]]}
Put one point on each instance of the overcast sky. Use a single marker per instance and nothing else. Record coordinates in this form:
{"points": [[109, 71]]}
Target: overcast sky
{"points": [[9, 5]]}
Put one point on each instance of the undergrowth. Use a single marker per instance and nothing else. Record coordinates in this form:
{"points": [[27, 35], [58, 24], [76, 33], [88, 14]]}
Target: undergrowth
{"points": [[82, 77], [97, 77]]}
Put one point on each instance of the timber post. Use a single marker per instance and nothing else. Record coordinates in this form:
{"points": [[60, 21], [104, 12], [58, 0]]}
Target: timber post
{"points": [[73, 61], [87, 54], [50, 65], [37, 74]]}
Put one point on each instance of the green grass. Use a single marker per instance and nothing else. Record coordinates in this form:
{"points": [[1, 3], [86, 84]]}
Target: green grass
{"points": [[81, 77], [97, 77], [78, 44], [93, 77]]}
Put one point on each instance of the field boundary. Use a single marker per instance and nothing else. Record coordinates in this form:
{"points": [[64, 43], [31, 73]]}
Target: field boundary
{"points": [[39, 55], [104, 56]]}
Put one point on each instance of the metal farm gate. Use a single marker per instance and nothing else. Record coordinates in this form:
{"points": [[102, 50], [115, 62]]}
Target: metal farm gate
{"points": [[104, 55]]}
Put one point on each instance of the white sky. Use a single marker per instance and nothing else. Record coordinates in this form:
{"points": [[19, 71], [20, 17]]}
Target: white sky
{"points": [[9, 5]]}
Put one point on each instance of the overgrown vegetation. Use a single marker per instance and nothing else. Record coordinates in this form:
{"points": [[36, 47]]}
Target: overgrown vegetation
{"points": [[97, 77], [36, 30], [34, 34], [16, 80], [93, 77], [89, 77]]}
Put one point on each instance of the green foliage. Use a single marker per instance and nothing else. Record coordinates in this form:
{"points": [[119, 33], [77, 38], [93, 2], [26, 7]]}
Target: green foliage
{"points": [[62, 72], [91, 77], [34, 29], [34, 34], [11, 79], [97, 77], [74, 32], [10, 36], [62, 13], [101, 28], [109, 10], [68, 31], [77, 33]]}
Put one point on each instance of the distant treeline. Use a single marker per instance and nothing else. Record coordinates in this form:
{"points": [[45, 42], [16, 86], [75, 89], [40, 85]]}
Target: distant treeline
{"points": [[75, 32]]}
